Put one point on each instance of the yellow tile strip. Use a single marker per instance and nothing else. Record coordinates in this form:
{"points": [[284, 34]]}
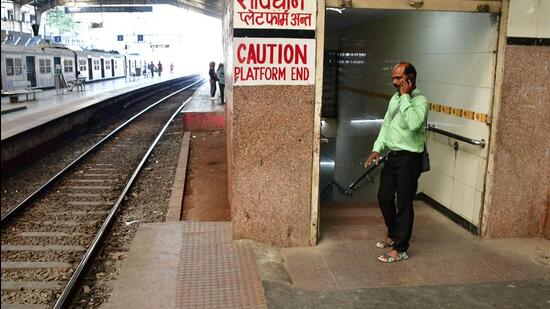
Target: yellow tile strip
{"points": [[440, 108]]}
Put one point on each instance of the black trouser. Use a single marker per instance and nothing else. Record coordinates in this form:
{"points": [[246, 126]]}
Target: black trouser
{"points": [[399, 175], [212, 88], [222, 86]]}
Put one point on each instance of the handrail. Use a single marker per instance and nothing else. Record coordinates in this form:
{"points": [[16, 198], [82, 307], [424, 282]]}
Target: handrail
{"points": [[432, 128], [352, 187]]}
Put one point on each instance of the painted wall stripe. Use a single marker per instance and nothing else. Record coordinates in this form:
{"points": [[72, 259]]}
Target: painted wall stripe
{"points": [[440, 108]]}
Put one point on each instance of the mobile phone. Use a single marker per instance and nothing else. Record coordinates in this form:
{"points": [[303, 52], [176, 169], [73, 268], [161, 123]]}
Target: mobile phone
{"points": [[411, 78]]}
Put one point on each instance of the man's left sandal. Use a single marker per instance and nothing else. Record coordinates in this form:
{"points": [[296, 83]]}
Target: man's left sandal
{"points": [[387, 258]]}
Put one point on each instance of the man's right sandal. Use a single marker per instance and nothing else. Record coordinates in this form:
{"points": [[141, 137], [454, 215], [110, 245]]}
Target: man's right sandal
{"points": [[383, 243], [387, 258]]}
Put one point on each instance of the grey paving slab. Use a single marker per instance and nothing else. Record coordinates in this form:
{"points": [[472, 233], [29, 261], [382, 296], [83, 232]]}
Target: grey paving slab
{"points": [[187, 265], [502, 295], [441, 253]]}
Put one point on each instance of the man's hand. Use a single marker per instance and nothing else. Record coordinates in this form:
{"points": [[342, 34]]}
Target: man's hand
{"points": [[374, 158], [407, 86]]}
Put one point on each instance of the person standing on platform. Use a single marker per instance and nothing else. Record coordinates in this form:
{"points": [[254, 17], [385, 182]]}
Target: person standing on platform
{"points": [[171, 68], [221, 80], [159, 68], [213, 79], [152, 69], [403, 134]]}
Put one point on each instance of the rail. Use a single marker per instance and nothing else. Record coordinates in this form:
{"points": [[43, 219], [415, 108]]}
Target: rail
{"points": [[468, 140], [64, 300], [353, 186], [11, 214]]}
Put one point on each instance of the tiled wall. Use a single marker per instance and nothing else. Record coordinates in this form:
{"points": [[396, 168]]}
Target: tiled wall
{"points": [[529, 18], [454, 54]]}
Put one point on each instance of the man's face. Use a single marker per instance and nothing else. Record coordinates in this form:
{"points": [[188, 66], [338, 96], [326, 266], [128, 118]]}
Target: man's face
{"points": [[398, 76]]}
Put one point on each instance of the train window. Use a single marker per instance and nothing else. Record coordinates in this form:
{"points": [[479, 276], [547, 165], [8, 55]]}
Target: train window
{"points": [[18, 66], [116, 62], [9, 66], [68, 65], [45, 65], [107, 65], [82, 65], [96, 64]]}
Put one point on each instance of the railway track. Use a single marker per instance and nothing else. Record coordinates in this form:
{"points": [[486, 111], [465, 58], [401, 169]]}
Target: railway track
{"points": [[49, 239]]}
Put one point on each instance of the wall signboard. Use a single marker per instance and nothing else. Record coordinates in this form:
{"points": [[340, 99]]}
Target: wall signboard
{"points": [[274, 42], [275, 14]]}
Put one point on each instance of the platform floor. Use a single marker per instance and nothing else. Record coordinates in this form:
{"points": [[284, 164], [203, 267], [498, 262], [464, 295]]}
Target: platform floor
{"points": [[197, 265], [441, 252], [203, 103], [51, 104], [187, 265]]}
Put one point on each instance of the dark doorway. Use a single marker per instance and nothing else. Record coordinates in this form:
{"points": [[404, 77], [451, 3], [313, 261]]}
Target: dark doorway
{"points": [[57, 65], [102, 68], [113, 67], [31, 71], [90, 69]]}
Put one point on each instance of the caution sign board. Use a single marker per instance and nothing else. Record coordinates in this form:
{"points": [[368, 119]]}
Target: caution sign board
{"points": [[268, 61]]}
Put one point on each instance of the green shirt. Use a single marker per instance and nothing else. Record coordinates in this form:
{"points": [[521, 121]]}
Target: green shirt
{"points": [[407, 130]]}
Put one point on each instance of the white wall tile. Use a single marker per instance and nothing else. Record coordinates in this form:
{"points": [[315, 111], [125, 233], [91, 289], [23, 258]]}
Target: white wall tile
{"points": [[438, 186], [463, 200], [442, 157], [466, 168], [543, 25], [522, 18]]}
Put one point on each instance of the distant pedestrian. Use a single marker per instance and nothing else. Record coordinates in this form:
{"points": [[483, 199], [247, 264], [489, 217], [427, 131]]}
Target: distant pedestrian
{"points": [[159, 68], [171, 68], [221, 80], [213, 79], [152, 69]]}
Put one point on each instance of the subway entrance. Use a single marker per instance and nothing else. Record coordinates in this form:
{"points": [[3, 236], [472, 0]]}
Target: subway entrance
{"points": [[455, 56]]}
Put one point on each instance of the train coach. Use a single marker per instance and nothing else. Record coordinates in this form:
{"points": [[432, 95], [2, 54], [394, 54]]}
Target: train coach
{"points": [[38, 64]]}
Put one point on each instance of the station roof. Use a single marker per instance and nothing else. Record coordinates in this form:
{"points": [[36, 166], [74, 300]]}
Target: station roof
{"points": [[206, 7]]}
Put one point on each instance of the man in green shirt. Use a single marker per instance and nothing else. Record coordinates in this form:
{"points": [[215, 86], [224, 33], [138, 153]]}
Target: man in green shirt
{"points": [[403, 135]]}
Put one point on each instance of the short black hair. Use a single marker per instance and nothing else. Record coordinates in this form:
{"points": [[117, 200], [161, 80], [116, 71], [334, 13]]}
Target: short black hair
{"points": [[409, 69]]}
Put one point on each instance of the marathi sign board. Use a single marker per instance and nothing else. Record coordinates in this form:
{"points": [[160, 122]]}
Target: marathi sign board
{"points": [[275, 14], [269, 61], [262, 54]]}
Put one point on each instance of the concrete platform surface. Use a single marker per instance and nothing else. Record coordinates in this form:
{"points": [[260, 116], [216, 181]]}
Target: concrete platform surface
{"points": [[448, 267], [50, 105], [187, 265], [203, 103], [203, 113]]}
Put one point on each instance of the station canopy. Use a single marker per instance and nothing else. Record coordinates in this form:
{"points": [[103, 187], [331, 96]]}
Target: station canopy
{"points": [[207, 7]]}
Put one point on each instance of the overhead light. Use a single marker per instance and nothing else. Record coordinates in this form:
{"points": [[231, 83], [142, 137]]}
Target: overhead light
{"points": [[336, 10], [327, 163]]}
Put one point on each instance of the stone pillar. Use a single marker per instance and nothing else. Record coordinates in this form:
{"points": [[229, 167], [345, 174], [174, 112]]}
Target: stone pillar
{"points": [[270, 123], [518, 175], [521, 172]]}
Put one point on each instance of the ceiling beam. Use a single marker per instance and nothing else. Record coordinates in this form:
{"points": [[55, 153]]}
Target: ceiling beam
{"points": [[210, 8], [487, 6]]}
